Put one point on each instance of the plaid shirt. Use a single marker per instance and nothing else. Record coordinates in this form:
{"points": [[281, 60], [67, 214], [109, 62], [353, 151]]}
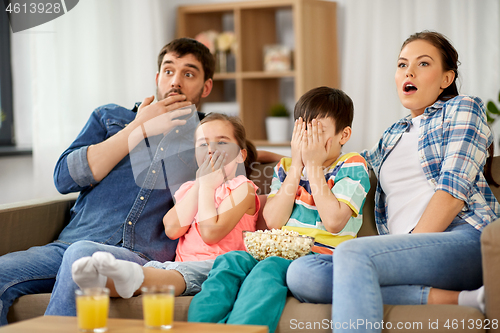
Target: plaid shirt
{"points": [[452, 148]]}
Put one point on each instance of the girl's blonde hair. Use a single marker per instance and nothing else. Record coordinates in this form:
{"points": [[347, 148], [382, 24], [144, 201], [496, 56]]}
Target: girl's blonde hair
{"points": [[239, 134]]}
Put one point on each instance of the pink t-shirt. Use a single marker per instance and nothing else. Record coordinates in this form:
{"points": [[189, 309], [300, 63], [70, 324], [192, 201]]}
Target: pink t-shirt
{"points": [[191, 246]]}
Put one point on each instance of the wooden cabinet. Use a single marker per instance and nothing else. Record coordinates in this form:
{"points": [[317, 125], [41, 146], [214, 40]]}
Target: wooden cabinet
{"points": [[314, 39]]}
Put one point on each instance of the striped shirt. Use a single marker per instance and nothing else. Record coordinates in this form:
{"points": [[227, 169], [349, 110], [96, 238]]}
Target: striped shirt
{"points": [[348, 180], [452, 148]]}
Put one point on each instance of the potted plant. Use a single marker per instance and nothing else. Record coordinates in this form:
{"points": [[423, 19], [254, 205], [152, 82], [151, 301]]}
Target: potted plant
{"points": [[492, 114], [278, 124], [492, 111]]}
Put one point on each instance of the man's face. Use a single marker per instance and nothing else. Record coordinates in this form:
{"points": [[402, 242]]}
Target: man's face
{"points": [[182, 76]]}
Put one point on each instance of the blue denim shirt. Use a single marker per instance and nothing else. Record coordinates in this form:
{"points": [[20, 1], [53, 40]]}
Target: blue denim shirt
{"points": [[452, 146], [125, 209]]}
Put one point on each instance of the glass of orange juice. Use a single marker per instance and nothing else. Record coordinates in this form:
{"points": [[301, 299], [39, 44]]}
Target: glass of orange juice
{"points": [[92, 307], [158, 306]]}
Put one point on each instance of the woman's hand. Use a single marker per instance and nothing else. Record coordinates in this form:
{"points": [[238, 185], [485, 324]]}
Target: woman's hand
{"points": [[314, 148], [439, 213]]}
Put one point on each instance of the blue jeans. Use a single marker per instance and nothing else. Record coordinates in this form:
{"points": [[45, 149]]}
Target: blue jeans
{"points": [[310, 280], [35, 271], [447, 260], [28, 272], [62, 300], [393, 269]]}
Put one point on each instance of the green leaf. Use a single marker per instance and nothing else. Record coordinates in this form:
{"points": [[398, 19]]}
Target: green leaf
{"points": [[278, 110], [489, 119], [492, 108]]}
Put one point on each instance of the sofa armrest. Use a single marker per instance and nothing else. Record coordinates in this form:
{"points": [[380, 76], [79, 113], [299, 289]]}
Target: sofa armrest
{"points": [[490, 248], [32, 223], [369, 228]]}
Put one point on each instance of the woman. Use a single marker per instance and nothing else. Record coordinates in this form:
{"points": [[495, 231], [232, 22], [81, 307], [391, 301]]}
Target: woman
{"points": [[432, 198]]}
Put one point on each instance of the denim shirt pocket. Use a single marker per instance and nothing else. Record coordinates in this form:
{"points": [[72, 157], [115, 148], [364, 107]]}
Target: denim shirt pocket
{"points": [[113, 126]]}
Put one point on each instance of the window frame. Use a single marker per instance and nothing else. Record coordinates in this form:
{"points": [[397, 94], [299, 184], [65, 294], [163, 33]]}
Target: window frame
{"points": [[7, 122]]}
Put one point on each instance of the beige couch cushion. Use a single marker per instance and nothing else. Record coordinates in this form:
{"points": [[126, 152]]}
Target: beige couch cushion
{"points": [[19, 221], [296, 317]]}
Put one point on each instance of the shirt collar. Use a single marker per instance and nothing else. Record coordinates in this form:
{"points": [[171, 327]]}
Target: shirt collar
{"points": [[136, 107], [434, 107], [406, 121], [430, 110]]}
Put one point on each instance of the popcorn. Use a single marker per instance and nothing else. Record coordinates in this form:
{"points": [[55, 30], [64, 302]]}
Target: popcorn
{"points": [[287, 244]]}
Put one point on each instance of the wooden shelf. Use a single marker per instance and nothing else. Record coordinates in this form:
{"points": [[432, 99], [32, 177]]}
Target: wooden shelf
{"points": [[270, 144], [315, 59], [253, 75], [225, 76], [267, 75]]}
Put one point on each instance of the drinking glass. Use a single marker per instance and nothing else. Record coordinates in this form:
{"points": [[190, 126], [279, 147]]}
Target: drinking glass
{"points": [[92, 307], [158, 306]]}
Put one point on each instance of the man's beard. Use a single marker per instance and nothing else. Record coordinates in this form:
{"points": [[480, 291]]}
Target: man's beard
{"points": [[195, 100]]}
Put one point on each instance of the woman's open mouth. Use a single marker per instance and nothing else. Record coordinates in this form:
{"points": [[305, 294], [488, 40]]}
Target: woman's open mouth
{"points": [[409, 88]]}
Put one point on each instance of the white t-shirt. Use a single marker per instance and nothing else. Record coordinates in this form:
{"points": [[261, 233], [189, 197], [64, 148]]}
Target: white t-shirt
{"points": [[407, 190]]}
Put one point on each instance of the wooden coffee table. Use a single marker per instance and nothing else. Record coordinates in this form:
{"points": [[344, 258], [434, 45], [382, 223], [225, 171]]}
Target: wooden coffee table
{"points": [[58, 324]]}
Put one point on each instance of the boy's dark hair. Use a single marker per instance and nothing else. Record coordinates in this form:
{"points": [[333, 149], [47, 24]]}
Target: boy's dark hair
{"points": [[325, 102], [184, 46]]}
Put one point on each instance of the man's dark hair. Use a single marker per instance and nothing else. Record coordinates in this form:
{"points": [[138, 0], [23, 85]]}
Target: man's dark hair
{"points": [[325, 102], [184, 46]]}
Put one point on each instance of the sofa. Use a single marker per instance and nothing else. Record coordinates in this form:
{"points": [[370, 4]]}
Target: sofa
{"points": [[39, 222]]}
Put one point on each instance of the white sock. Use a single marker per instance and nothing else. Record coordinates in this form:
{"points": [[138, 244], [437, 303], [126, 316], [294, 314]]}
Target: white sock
{"points": [[86, 275], [474, 298], [127, 276]]}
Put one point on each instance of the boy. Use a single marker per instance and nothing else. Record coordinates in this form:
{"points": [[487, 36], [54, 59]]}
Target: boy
{"points": [[317, 192]]}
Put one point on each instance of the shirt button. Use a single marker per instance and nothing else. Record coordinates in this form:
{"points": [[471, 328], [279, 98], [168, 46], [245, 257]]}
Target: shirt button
{"points": [[129, 222], [176, 131], [161, 148], [142, 198], [153, 171]]}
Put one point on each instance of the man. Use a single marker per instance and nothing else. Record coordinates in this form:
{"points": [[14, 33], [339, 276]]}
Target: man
{"points": [[121, 204]]}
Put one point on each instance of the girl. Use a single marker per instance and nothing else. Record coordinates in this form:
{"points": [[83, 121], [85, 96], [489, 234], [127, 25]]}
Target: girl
{"points": [[319, 192], [208, 218], [432, 198]]}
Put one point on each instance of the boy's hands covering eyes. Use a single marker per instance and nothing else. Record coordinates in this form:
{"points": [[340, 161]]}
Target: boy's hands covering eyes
{"points": [[296, 144], [314, 146]]}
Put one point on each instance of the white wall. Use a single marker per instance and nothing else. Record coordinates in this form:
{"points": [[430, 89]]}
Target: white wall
{"points": [[100, 52], [16, 179], [373, 33], [105, 52]]}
